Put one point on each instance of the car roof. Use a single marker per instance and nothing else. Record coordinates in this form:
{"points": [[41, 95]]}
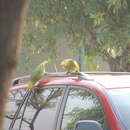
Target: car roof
{"points": [[108, 80], [112, 79]]}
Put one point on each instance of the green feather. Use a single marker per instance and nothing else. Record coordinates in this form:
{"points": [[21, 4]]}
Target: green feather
{"points": [[39, 72]]}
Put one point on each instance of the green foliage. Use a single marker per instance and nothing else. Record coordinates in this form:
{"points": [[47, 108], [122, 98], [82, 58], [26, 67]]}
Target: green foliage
{"points": [[84, 114], [50, 20], [90, 64], [97, 17], [117, 5]]}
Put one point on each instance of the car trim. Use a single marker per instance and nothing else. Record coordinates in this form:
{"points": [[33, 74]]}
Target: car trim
{"points": [[62, 107]]}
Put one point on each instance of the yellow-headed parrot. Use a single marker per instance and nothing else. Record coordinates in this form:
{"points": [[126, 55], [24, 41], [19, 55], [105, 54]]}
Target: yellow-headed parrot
{"points": [[37, 74], [70, 65]]}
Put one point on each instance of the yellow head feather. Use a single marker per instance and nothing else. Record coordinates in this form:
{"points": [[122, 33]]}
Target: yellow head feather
{"points": [[70, 65]]}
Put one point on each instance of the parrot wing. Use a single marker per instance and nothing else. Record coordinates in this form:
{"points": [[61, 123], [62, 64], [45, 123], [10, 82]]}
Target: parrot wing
{"points": [[76, 68], [70, 65], [38, 72]]}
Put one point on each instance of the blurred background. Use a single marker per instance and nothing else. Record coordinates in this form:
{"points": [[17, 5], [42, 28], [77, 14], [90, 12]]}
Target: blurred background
{"points": [[96, 33]]}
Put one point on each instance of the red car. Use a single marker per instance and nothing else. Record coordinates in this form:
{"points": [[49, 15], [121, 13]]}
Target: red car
{"points": [[85, 101]]}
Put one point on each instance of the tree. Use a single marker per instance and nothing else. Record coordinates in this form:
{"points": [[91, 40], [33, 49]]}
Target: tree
{"points": [[39, 99], [78, 114], [12, 15], [100, 26]]}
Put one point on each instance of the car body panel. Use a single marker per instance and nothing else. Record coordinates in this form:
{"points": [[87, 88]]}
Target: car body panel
{"points": [[98, 83]]}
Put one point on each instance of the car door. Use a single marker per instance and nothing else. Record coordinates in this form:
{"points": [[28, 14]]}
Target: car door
{"points": [[81, 104], [41, 110]]}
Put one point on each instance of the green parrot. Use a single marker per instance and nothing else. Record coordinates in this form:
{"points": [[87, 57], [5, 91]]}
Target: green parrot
{"points": [[38, 73]]}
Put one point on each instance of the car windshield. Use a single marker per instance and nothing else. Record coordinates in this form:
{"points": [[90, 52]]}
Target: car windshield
{"points": [[121, 102]]}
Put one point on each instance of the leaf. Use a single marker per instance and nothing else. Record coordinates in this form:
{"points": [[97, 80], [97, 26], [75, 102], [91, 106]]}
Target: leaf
{"points": [[49, 21]]}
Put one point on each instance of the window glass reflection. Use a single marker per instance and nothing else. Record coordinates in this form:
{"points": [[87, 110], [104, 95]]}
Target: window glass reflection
{"points": [[81, 105], [40, 110]]}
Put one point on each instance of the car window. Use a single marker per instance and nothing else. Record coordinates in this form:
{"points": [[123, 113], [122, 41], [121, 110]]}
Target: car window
{"points": [[40, 111], [15, 96], [120, 101], [14, 100], [82, 104]]}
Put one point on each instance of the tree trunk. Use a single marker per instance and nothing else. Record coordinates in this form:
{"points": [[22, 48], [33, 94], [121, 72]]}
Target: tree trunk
{"points": [[12, 13], [114, 64], [118, 64]]}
